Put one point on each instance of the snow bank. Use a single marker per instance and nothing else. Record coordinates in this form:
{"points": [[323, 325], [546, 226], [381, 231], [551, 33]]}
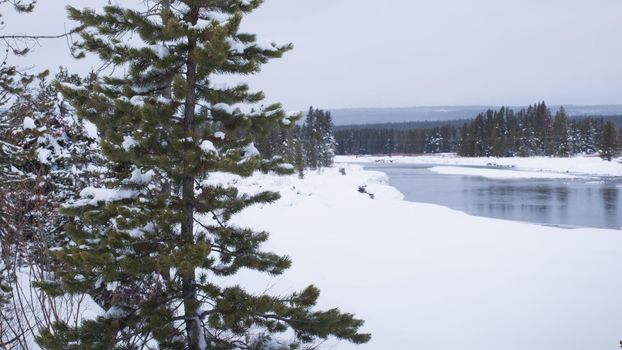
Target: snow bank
{"points": [[428, 277], [574, 165], [498, 173]]}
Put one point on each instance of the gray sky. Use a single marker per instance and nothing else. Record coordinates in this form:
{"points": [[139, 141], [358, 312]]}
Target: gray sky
{"points": [[392, 53]]}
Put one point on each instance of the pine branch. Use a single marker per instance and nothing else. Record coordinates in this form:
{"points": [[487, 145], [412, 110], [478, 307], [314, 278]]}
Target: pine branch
{"points": [[37, 37]]}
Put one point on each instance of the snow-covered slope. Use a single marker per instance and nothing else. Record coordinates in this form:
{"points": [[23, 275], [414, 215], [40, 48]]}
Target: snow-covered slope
{"points": [[580, 165], [498, 173], [427, 277]]}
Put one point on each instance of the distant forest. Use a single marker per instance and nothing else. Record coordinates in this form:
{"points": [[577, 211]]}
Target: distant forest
{"points": [[532, 131]]}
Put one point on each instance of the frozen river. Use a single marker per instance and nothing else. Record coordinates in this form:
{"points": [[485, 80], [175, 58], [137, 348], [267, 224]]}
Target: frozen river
{"points": [[581, 202]]}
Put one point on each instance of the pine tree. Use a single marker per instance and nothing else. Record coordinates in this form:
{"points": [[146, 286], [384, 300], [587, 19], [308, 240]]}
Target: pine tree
{"points": [[311, 139], [608, 142], [300, 160], [280, 142], [319, 139], [150, 243], [497, 142], [561, 142], [325, 138]]}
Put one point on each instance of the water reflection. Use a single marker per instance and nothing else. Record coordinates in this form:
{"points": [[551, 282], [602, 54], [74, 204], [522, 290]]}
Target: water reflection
{"points": [[610, 202], [561, 193], [610, 198], [578, 202], [543, 193]]}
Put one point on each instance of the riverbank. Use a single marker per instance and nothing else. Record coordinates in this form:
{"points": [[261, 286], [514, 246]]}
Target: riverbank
{"points": [[582, 166], [428, 277]]}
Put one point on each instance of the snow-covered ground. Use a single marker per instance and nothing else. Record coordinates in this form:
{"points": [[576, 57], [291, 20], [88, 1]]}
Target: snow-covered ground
{"points": [[428, 277], [591, 166], [498, 173]]}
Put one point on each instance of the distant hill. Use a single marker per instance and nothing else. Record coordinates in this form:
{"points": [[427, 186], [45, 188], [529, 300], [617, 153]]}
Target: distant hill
{"points": [[406, 125], [357, 116], [616, 119]]}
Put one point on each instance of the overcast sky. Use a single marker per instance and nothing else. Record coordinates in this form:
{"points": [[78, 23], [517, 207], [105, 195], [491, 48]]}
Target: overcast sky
{"points": [[396, 53]]}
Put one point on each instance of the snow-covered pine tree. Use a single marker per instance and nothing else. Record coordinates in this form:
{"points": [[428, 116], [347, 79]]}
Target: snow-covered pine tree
{"points": [[299, 155], [608, 141], [58, 150], [433, 142], [49, 153], [326, 139], [309, 132], [318, 139], [561, 142], [280, 142], [150, 244]]}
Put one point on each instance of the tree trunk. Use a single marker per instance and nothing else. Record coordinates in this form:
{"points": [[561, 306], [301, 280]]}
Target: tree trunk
{"points": [[167, 93], [187, 232]]}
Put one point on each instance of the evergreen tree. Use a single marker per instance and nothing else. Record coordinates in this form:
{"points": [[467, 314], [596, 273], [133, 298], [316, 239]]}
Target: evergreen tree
{"points": [[325, 138], [433, 142], [279, 142], [310, 134], [465, 147], [150, 243], [300, 161], [608, 142], [319, 139], [497, 137], [560, 134]]}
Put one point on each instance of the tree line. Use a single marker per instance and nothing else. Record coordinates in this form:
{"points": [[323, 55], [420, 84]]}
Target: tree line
{"points": [[532, 131], [396, 141]]}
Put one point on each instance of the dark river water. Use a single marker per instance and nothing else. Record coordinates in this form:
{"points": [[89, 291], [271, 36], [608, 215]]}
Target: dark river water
{"points": [[583, 202]]}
